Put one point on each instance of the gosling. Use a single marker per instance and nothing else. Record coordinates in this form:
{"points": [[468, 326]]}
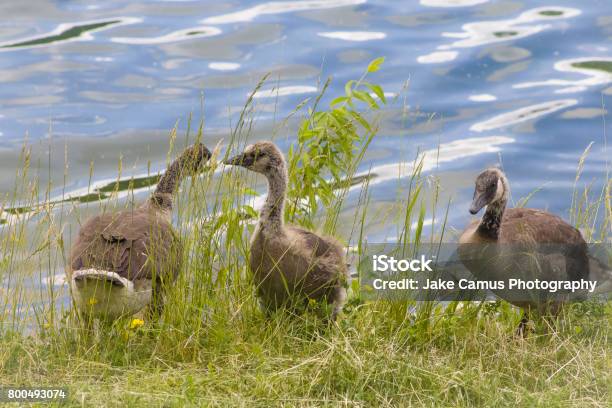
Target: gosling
{"points": [[290, 265], [121, 263], [520, 243]]}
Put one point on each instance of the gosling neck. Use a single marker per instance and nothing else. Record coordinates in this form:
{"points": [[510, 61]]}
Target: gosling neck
{"points": [[490, 224], [160, 204], [171, 179], [168, 184], [271, 216]]}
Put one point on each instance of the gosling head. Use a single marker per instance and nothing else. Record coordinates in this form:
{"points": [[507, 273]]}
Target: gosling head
{"points": [[191, 161], [491, 187], [262, 157], [194, 158]]}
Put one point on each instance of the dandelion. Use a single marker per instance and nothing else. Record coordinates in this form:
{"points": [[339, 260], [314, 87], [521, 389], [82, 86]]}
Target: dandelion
{"points": [[136, 323], [93, 301]]}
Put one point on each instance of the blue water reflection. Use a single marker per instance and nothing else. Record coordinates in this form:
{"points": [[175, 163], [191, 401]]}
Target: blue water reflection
{"points": [[526, 82]]}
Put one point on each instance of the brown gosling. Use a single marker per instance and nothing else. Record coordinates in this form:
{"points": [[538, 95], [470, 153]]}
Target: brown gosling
{"points": [[122, 262], [290, 266], [520, 243]]}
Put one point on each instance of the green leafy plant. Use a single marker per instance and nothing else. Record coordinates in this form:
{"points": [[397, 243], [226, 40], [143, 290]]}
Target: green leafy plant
{"points": [[328, 146]]}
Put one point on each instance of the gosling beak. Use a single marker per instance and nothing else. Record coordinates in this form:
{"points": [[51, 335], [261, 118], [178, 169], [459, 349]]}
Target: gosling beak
{"points": [[478, 202], [239, 160], [233, 161]]}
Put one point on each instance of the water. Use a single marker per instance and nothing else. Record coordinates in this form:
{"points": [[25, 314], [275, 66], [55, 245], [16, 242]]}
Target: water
{"points": [[526, 83]]}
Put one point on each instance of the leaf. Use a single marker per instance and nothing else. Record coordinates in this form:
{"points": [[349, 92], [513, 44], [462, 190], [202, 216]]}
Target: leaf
{"points": [[375, 64], [348, 88], [361, 121], [305, 135], [250, 211], [355, 285], [364, 96], [419, 229], [378, 91], [250, 192], [339, 118], [338, 101]]}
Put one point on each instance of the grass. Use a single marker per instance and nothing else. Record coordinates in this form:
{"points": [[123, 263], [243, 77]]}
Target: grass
{"points": [[214, 347], [369, 360]]}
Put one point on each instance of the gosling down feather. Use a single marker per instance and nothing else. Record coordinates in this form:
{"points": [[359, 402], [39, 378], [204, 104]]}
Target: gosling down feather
{"points": [[290, 265], [521, 243], [120, 263]]}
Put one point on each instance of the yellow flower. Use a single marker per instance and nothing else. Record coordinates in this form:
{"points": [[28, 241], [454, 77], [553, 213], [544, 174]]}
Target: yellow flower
{"points": [[93, 301], [136, 323]]}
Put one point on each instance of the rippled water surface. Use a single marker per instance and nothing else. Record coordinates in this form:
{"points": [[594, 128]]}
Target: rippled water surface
{"points": [[526, 83]]}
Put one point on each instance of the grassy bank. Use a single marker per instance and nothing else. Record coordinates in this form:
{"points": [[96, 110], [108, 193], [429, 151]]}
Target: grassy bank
{"points": [[213, 346], [462, 360]]}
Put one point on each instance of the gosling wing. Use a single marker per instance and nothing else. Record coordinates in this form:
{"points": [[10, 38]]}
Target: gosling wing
{"points": [[327, 267], [134, 244]]}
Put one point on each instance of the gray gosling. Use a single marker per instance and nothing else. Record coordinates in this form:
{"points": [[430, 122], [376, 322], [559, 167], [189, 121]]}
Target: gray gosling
{"points": [[290, 265], [120, 263], [520, 243]]}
